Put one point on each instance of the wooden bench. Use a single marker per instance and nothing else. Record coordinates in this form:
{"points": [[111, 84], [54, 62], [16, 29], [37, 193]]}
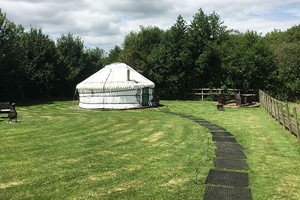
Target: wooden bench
{"points": [[4, 107]]}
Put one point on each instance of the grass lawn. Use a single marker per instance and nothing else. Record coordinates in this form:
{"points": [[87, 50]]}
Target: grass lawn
{"points": [[58, 152]]}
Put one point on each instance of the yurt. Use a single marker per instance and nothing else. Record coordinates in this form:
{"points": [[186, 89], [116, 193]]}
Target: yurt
{"points": [[116, 86]]}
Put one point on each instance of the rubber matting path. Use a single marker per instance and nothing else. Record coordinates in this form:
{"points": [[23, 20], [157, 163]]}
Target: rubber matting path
{"points": [[225, 193], [229, 146], [221, 134], [223, 139], [225, 153], [225, 178], [213, 127], [229, 180], [237, 164]]}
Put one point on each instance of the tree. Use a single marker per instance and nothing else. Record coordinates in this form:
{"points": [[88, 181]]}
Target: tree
{"points": [[93, 60], [286, 49], [288, 63], [138, 45], [202, 54], [206, 35], [114, 55], [40, 62], [12, 75], [70, 63], [167, 62], [249, 62]]}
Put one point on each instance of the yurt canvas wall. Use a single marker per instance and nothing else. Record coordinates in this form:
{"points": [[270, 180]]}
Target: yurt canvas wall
{"points": [[116, 86]]}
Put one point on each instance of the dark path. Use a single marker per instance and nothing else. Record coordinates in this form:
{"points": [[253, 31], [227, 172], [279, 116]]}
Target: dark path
{"points": [[229, 179]]}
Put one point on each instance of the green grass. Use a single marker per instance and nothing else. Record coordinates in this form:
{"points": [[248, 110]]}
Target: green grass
{"points": [[273, 154], [58, 152]]}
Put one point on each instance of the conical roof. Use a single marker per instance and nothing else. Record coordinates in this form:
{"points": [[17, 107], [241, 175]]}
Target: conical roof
{"points": [[115, 77]]}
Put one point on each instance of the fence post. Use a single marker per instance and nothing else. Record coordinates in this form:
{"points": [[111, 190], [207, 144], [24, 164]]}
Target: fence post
{"points": [[282, 114], [261, 98], [288, 116], [277, 108], [264, 100], [269, 105], [297, 123], [273, 107]]}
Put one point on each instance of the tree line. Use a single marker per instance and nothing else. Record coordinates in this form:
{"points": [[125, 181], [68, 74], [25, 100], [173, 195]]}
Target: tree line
{"points": [[195, 54], [33, 66]]}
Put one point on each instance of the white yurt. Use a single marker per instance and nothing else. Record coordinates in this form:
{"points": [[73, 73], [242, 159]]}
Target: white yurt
{"points": [[116, 86]]}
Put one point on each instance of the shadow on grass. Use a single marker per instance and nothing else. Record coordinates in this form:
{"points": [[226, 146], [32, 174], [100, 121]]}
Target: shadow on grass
{"points": [[40, 102], [123, 109]]}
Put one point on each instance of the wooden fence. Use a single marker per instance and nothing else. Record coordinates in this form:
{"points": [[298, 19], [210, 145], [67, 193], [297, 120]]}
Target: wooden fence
{"points": [[281, 112], [205, 92]]}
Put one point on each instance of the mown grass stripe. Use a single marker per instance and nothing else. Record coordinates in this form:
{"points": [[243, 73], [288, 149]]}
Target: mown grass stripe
{"points": [[65, 153]]}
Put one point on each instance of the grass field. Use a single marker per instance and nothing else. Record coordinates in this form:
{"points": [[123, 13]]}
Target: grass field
{"points": [[59, 152]]}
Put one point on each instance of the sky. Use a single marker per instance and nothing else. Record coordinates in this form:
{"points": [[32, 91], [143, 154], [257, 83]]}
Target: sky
{"points": [[105, 23]]}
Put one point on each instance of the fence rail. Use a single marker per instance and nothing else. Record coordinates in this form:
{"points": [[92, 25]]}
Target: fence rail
{"points": [[281, 112], [205, 92]]}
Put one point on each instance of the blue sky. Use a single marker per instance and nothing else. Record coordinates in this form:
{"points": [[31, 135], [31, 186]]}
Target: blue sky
{"points": [[103, 24]]}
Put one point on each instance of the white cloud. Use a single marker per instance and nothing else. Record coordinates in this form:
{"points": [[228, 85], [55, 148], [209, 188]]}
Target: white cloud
{"points": [[104, 24]]}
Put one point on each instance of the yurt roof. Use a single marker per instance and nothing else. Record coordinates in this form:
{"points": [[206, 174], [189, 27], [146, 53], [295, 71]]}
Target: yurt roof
{"points": [[114, 77]]}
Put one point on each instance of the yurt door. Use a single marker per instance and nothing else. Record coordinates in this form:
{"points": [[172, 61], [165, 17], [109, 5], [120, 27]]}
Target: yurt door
{"points": [[145, 97]]}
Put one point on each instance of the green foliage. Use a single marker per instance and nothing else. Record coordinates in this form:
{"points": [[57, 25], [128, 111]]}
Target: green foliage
{"points": [[168, 62], [286, 49], [199, 54], [39, 63], [138, 45], [11, 59], [206, 54], [114, 55], [248, 62], [32, 66], [93, 60], [70, 50]]}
